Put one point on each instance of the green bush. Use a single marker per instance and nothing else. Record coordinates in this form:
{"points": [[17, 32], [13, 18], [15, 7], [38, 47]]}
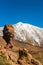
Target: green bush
{"points": [[3, 61]]}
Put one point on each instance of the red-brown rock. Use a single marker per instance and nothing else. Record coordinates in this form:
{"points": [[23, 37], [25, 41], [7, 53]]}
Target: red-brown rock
{"points": [[8, 34]]}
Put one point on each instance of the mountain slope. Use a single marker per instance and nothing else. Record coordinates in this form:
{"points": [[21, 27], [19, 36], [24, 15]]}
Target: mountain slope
{"points": [[12, 54], [27, 33]]}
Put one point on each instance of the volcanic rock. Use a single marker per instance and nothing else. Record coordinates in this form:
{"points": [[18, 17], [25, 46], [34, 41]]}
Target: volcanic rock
{"points": [[8, 34], [26, 59]]}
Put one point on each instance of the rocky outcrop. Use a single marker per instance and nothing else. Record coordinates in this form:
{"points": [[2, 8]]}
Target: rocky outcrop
{"points": [[8, 34], [26, 59]]}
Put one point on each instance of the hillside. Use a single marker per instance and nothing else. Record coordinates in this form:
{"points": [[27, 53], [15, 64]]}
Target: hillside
{"points": [[12, 54], [15, 52]]}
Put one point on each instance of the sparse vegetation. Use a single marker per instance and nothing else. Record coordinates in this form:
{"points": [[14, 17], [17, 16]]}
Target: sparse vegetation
{"points": [[3, 61]]}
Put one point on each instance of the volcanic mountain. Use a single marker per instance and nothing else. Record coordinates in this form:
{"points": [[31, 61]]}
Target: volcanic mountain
{"points": [[21, 44], [27, 33]]}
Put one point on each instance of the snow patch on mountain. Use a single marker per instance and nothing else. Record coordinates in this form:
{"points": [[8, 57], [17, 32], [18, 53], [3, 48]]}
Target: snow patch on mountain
{"points": [[1, 29]]}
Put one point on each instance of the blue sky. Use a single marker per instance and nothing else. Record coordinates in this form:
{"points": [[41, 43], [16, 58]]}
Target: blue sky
{"points": [[27, 11]]}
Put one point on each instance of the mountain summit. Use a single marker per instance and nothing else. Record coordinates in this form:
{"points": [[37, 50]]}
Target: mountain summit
{"points": [[27, 33]]}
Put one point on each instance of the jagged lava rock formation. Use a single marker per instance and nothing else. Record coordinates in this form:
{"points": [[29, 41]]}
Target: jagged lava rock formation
{"points": [[8, 34], [26, 59]]}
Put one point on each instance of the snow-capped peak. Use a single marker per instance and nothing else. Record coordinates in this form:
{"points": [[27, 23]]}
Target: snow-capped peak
{"points": [[27, 33]]}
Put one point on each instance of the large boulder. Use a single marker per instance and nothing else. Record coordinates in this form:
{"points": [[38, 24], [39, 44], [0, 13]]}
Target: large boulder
{"points": [[26, 59], [8, 34]]}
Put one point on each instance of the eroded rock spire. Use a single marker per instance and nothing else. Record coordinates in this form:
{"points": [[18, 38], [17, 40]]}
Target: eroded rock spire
{"points": [[8, 34]]}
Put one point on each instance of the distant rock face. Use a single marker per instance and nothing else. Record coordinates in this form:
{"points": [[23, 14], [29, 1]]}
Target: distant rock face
{"points": [[8, 34], [26, 59]]}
